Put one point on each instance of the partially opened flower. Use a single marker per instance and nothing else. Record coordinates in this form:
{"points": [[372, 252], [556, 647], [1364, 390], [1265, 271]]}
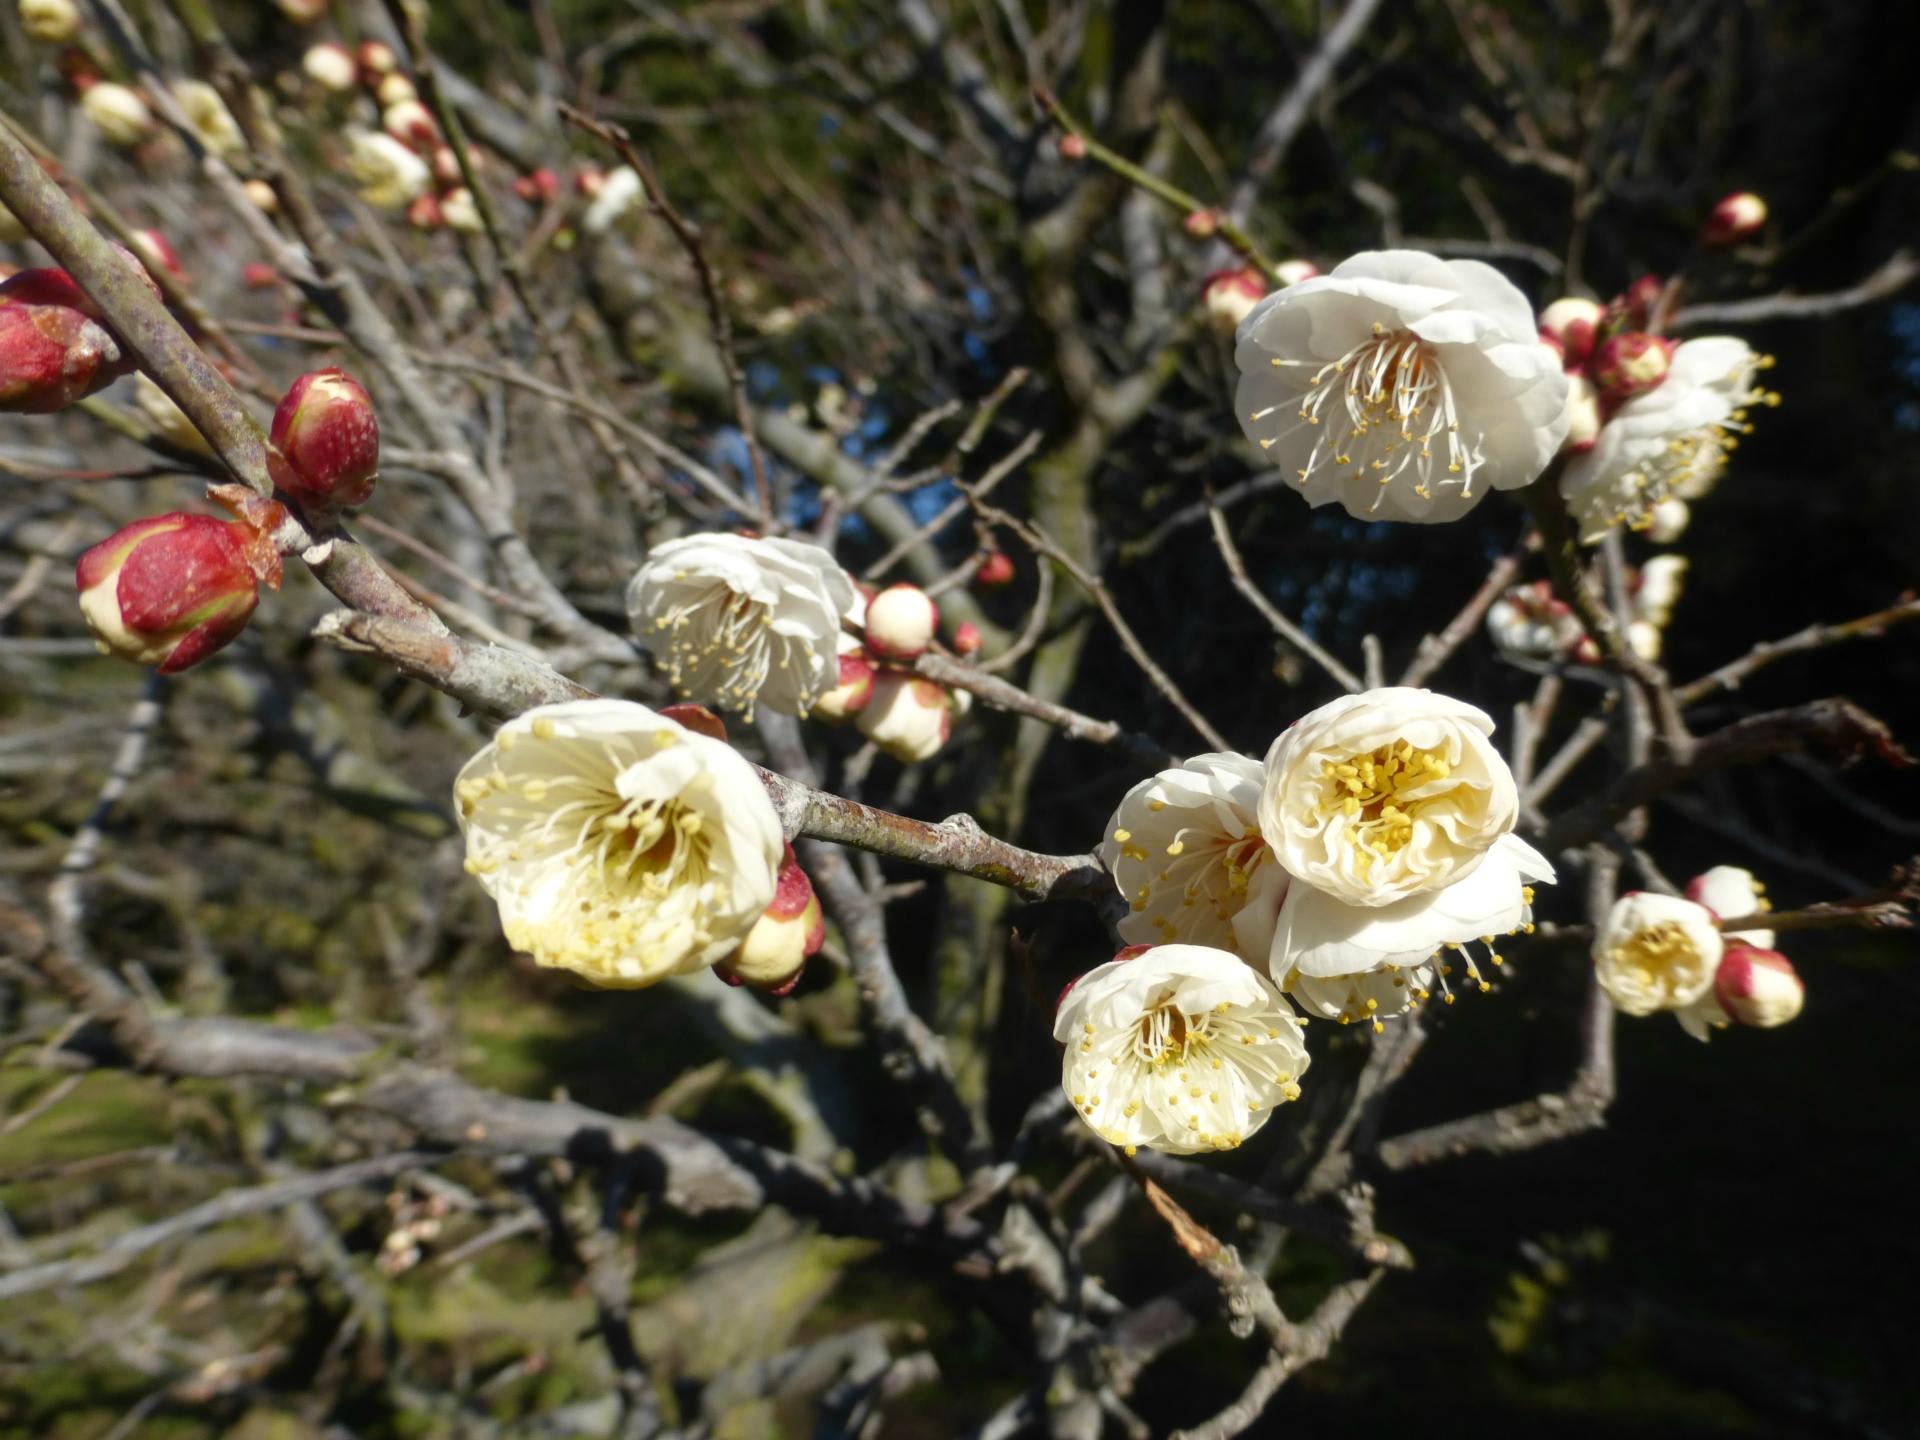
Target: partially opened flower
{"points": [[617, 843], [387, 174], [1185, 849], [1732, 893], [1393, 814], [212, 122], [737, 621], [1671, 441], [1401, 385], [1180, 1048], [1659, 952]]}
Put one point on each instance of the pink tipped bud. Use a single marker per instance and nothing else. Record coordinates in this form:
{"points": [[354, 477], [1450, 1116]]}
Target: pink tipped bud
{"points": [[457, 208], [901, 622], [412, 123], [1292, 272], [1229, 294], [331, 67], [788, 933], [1572, 324], [1735, 218], [1631, 364], [1758, 987], [697, 718], [158, 253], [258, 275], [907, 717], [538, 186], [995, 571], [1202, 224], [589, 182], [967, 640], [171, 590], [446, 167], [394, 89], [52, 356], [1072, 147], [423, 213], [1583, 414], [855, 688], [376, 60], [326, 442]]}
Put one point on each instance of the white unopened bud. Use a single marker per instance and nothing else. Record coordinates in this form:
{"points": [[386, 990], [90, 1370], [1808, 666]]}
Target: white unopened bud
{"points": [[1292, 272], [1758, 987], [1572, 323], [1658, 588], [212, 123], [394, 89], [1736, 217], [459, 211], [1228, 296], [854, 688], [901, 622], [1668, 520], [331, 67], [119, 113], [411, 123], [302, 12], [1732, 893], [1643, 639], [907, 717], [54, 22]]}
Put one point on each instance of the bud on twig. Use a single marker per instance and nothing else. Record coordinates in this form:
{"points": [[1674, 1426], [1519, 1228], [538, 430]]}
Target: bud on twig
{"points": [[326, 442], [901, 622], [53, 22], [1072, 147], [995, 572], [331, 67], [907, 717], [855, 687], [967, 640], [1735, 218], [170, 590], [1572, 324], [775, 953], [1229, 295], [1758, 987], [1631, 364], [119, 114]]}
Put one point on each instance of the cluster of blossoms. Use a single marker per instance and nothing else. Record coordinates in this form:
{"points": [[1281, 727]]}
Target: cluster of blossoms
{"points": [[627, 845], [1346, 874], [741, 621], [1661, 952], [1529, 623]]}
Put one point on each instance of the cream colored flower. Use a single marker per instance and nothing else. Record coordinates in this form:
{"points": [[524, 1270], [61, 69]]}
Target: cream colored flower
{"points": [[1182, 1048], [387, 174], [737, 621], [1401, 385], [616, 843], [1185, 847], [117, 112], [1659, 952], [209, 117], [1671, 441]]}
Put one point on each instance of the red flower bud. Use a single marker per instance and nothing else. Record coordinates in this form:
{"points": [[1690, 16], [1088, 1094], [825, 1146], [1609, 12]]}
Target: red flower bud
{"points": [[171, 590], [589, 182], [995, 571], [425, 214], [1571, 325], [376, 60], [1202, 224], [258, 275], [1631, 364], [1072, 147], [326, 442], [966, 640], [1228, 296], [412, 123], [537, 186], [52, 356], [1735, 218]]}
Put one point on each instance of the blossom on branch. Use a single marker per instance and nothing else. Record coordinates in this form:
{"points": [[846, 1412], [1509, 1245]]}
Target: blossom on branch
{"points": [[617, 843], [738, 621], [1659, 952], [1181, 1048], [1401, 385]]}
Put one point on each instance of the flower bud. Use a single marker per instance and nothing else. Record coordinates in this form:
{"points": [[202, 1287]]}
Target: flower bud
{"points": [[446, 167], [326, 442], [331, 67], [1229, 294], [1583, 414], [783, 939], [389, 175], [995, 571], [901, 621], [1758, 987], [587, 182], [537, 186], [855, 687], [459, 211], [1643, 639], [1292, 272], [119, 113], [1631, 364], [411, 123], [619, 193], [394, 89], [1202, 224], [424, 213], [261, 195], [258, 275], [1655, 590], [171, 590], [156, 252], [302, 12], [52, 356], [1667, 521], [967, 640], [1735, 218], [207, 115], [1732, 893], [1572, 323], [907, 717], [1072, 147], [376, 60], [53, 22]]}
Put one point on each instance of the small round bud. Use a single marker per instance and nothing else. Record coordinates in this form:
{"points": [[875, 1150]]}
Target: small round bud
{"points": [[537, 187], [376, 60], [326, 442], [1202, 224], [157, 253], [1757, 987], [967, 640], [1072, 147], [119, 113], [995, 572], [446, 167], [171, 590], [907, 717], [412, 123], [53, 22], [262, 196], [1292, 272], [1583, 414], [1630, 364], [302, 12], [423, 213], [1229, 295], [207, 115], [1736, 217], [330, 67], [901, 622], [587, 182], [787, 934], [1668, 520], [1572, 324], [459, 211], [1732, 893], [52, 356], [854, 689], [1655, 588], [394, 89]]}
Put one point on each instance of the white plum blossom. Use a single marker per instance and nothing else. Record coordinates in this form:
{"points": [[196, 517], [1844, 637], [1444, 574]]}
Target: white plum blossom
{"points": [[1185, 849], [1671, 441], [389, 176], [1181, 1048], [616, 843], [1393, 815], [1659, 952], [119, 113], [212, 123], [1401, 385], [738, 621]]}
